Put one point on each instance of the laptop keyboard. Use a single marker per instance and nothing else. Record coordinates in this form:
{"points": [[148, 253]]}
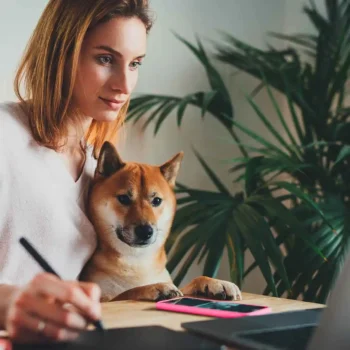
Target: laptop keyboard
{"points": [[286, 339]]}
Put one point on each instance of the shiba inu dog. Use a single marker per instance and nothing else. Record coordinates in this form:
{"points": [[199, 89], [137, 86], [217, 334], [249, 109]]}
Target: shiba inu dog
{"points": [[132, 207]]}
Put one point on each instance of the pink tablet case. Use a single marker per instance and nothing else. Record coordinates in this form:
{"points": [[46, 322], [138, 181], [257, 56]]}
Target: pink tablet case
{"points": [[162, 305]]}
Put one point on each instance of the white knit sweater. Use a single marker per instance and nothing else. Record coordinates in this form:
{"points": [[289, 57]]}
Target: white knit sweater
{"points": [[39, 200]]}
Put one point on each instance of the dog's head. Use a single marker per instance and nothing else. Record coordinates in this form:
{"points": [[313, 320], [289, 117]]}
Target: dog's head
{"points": [[132, 205]]}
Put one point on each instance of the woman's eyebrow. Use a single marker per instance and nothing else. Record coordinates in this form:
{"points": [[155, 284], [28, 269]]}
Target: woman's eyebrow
{"points": [[114, 52]]}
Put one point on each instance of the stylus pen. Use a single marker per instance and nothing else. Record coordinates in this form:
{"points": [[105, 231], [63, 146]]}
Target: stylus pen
{"points": [[44, 264]]}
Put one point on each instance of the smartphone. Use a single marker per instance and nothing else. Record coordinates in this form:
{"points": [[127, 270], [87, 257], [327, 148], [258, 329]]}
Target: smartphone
{"points": [[213, 308]]}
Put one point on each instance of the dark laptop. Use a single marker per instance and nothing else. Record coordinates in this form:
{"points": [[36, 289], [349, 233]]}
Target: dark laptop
{"points": [[134, 338], [288, 330], [317, 329]]}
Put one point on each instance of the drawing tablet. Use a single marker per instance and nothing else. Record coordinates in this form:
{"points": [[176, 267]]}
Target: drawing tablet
{"points": [[150, 337]]}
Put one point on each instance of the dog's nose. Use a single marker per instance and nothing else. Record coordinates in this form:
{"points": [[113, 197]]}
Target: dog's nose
{"points": [[144, 232]]}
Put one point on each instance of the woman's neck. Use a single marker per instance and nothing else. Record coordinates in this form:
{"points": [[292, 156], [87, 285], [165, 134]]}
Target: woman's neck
{"points": [[73, 149], [75, 136]]}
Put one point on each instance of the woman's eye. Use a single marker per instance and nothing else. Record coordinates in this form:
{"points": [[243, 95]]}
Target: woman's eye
{"points": [[156, 202], [124, 199], [135, 65], [105, 60]]}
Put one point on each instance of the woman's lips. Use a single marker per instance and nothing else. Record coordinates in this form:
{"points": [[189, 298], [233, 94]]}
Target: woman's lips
{"points": [[112, 104]]}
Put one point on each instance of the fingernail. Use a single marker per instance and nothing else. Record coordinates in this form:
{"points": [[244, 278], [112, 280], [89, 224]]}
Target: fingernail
{"points": [[71, 335], [96, 312], [78, 322], [65, 334]]}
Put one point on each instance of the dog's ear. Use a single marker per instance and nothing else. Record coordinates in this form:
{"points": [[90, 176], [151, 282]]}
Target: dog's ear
{"points": [[109, 161], [171, 168]]}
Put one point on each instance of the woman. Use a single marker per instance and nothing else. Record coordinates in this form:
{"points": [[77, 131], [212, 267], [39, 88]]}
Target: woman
{"points": [[79, 70]]}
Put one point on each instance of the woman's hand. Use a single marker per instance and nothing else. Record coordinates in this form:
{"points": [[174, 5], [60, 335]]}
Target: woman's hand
{"points": [[39, 310]]}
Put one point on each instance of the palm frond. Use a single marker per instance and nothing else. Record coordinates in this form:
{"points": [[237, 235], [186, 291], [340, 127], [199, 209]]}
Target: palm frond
{"points": [[297, 228]]}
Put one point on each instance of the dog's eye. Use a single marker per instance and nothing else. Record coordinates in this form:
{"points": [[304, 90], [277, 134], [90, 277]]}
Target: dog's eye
{"points": [[156, 202], [124, 199]]}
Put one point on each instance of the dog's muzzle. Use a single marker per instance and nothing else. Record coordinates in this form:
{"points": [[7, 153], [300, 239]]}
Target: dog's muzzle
{"points": [[143, 232], [142, 236]]}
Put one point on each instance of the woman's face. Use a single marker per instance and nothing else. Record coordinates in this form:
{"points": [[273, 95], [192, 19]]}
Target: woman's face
{"points": [[108, 67]]}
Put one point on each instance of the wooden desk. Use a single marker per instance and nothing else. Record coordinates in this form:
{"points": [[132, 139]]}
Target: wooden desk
{"points": [[135, 313]]}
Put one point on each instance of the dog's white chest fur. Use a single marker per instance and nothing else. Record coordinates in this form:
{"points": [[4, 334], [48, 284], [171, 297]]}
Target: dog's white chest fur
{"points": [[115, 276], [119, 284]]}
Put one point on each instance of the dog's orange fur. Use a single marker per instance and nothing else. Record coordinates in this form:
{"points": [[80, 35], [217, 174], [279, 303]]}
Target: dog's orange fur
{"points": [[123, 267]]}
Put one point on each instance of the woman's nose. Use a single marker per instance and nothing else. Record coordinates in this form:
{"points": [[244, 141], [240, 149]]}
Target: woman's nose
{"points": [[122, 82]]}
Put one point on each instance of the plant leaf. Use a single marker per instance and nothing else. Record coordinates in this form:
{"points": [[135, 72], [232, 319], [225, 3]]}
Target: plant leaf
{"points": [[219, 185]]}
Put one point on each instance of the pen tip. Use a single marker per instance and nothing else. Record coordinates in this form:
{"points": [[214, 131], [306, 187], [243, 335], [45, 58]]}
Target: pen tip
{"points": [[99, 325]]}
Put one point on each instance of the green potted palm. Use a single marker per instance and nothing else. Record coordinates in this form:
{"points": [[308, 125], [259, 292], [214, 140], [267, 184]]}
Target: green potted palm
{"points": [[296, 229]]}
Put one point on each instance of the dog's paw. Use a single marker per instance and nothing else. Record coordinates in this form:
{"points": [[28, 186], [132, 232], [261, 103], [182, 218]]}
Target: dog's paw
{"points": [[213, 289], [164, 291], [151, 292]]}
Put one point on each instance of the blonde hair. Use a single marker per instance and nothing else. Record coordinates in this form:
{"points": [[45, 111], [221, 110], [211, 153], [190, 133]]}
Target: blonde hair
{"points": [[48, 68]]}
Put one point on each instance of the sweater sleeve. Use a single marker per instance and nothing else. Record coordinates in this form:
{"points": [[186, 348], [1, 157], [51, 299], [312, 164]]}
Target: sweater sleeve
{"points": [[10, 138], [2, 149], [2, 161], [3, 194]]}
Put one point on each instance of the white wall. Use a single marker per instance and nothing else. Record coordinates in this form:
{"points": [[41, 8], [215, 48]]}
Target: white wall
{"points": [[17, 21], [170, 68]]}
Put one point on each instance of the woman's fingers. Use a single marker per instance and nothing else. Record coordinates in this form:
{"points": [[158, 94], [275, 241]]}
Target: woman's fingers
{"points": [[49, 308], [66, 292], [52, 312], [92, 290], [20, 322]]}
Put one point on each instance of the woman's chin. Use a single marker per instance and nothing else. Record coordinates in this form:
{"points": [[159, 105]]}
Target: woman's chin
{"points": [[106, 116]]}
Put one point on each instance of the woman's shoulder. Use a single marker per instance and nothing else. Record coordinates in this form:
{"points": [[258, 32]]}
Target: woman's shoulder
{"points": [[13, 120], [12, 112]]}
